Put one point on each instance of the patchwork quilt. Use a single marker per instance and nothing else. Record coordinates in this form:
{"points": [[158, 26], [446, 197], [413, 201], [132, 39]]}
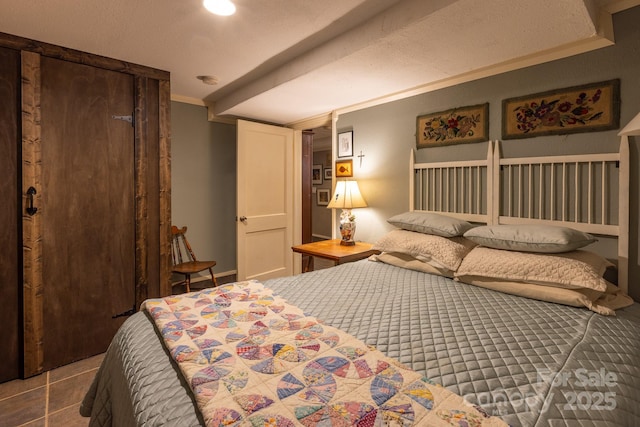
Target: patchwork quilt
{"points": [[253, 359]]}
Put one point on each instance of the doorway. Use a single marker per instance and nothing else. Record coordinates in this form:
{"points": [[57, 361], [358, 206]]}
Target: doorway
{"points": [[322, 181]]}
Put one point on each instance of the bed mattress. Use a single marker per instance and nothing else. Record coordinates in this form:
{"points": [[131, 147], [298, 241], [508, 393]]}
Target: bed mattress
{"points": [[530, 362]]}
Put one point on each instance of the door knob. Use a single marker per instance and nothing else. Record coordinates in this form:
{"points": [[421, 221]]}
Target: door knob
{"points": [[243, 219]]}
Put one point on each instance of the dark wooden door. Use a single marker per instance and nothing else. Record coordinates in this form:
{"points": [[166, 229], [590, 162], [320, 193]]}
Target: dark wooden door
{"points": [[88, 208], [9, 213]]}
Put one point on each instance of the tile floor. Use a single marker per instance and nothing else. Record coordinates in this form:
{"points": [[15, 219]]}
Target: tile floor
{"points": [[51, 399]]}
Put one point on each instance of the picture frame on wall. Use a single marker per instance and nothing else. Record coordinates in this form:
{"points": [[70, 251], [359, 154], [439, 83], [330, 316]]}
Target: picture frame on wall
{"points": [[322, 196], [316, 174], [586, 108], [344, 168], [327, 173], [462, 125], [345, 144]]}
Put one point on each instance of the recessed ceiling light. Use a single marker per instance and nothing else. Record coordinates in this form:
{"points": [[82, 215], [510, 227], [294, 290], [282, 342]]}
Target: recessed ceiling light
{"points": [[220, 7], [208, 80]]}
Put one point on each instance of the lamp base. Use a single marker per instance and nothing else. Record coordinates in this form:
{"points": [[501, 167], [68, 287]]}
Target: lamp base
{"points": [[347, 228]]}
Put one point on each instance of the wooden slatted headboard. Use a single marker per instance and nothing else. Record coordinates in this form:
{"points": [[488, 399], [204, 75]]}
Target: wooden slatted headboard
{"points": [[587, 192]]}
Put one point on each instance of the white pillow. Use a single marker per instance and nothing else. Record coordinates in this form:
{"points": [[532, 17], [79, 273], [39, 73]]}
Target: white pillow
{"points": [[604, 303], [529, 238], [571, 270], [430, 223], [410, 262], [436, 250]]}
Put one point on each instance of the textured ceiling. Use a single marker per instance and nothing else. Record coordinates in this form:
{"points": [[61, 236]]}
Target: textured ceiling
{"points": [[284, 61]]}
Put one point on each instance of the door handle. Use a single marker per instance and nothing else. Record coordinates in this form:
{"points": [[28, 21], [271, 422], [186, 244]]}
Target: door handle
{"points": [[243, 219], [31, 210]]}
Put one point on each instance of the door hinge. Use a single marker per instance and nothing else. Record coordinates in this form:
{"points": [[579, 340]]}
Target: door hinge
{"points": [[125, 313], [125, 118]]}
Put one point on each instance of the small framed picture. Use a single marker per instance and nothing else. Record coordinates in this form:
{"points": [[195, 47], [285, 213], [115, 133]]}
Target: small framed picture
{"points": [[316, 174], [327, 173], [322, 196], [344, 168], [345, 144]]}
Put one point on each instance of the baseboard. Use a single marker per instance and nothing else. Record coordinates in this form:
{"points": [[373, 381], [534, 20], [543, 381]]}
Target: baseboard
{"points": [[224, 277], [321, 237]]}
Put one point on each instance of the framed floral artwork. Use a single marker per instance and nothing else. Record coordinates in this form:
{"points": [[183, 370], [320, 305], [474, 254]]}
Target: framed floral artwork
{"points": [[456, 126], [586, 108]]}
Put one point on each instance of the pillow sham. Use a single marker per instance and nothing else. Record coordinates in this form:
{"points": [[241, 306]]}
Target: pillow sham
{"points": [[430, 223], [604, 303], [529, 238], [435, 250], [571, 270], [411, 263]]}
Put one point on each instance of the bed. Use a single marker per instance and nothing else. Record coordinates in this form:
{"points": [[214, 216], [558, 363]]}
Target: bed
{"points": [[522, 360]]}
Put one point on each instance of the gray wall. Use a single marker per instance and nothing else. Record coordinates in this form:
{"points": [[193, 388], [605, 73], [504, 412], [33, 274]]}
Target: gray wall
{"points": [[386, 133], [203, 183]]}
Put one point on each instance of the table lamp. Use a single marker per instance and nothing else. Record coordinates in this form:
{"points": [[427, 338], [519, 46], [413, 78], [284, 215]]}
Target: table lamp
{"points": [[347, 196]]}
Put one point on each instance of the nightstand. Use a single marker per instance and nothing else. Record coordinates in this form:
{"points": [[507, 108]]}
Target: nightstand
{"points": [[332, 250]]}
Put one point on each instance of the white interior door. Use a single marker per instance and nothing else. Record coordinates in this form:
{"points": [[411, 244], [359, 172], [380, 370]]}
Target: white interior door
{"points": [[267, 200]]}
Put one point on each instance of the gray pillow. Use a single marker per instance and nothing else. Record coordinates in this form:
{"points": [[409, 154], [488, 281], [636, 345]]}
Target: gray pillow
{"points": [[430, 223], [530, 238]]}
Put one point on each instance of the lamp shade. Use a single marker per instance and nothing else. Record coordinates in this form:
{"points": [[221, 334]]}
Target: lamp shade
{"points": [[632, 128], [347, 196], [220, 7]]}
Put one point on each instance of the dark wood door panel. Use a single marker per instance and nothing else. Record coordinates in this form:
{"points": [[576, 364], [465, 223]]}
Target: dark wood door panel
{"points": [[88, 208], [9, 213]]}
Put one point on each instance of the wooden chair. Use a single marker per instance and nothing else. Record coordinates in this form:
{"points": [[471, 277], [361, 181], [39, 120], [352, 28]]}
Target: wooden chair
{"points": [[184, 260]]}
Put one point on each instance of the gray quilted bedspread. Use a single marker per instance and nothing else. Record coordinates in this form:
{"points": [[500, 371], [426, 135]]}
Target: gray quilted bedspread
{"points": [[530, 362]]}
